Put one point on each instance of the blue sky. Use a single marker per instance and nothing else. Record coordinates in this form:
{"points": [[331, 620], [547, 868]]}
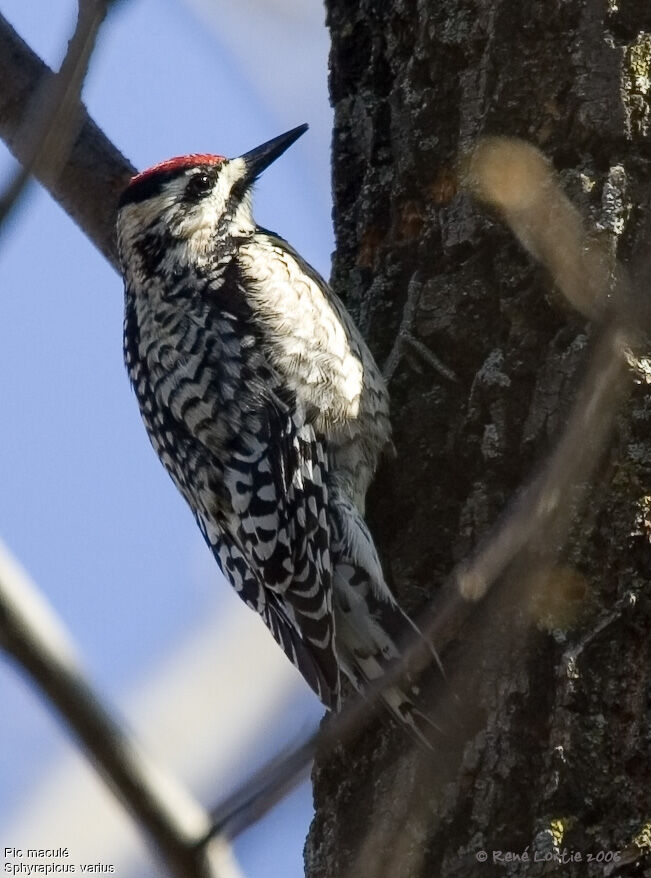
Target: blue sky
{"points": [[84, 503]]}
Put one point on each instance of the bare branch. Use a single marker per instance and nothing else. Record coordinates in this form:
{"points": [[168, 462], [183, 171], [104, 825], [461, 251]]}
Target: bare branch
{"points": [[95, 172], [175, 824], [51, 126], [268, 786]]}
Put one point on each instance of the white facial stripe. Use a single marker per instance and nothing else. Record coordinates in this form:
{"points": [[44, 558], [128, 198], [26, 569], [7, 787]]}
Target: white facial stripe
{"points": [[232, 172]]}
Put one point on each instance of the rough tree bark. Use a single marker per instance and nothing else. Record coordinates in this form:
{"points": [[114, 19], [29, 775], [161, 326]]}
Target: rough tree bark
{"points": [[561, 743]]}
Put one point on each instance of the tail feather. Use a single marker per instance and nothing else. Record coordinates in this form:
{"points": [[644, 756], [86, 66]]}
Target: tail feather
{"points": [[402, 702], [371, 630], [367, 651]]}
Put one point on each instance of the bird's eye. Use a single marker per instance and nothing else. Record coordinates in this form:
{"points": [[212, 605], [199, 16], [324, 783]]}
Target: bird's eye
{"points": [[198, 186]]}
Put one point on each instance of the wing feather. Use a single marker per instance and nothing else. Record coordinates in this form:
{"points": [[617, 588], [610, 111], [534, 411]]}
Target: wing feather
{"points": [[276, 480]]}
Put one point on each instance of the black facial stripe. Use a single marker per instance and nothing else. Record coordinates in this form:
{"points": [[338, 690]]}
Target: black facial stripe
{"points": [[149, 186], [233, 201], [152, 184]]}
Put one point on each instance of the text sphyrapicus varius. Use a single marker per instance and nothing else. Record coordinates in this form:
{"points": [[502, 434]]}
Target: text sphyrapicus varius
{"points": [[267, 409]]}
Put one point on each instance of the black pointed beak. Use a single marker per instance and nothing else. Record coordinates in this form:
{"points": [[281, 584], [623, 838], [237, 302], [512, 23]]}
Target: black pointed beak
{"points": [[262, 156]]}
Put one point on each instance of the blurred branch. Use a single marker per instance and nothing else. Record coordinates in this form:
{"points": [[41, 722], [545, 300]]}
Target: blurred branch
{"points": [[518, 180], [539, 519], [268, 786], [515, 177], [175, 824], [51, 125], [94, 173]]}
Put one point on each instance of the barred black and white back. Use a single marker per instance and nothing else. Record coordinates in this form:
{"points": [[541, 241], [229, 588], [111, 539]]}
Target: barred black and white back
{"points": [[266, 407]]}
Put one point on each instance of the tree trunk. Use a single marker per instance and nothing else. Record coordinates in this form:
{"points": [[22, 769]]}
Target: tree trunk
{"points": [[557, 762]]}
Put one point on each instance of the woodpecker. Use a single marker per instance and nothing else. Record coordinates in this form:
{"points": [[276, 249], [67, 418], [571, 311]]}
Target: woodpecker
{"points": [[268, 411]]}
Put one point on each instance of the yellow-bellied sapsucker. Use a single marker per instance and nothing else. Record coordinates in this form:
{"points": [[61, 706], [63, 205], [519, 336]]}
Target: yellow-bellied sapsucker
{"points": [[267, 409]]}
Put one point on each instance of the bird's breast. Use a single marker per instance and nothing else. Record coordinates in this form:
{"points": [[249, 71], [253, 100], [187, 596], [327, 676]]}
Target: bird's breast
{"points": [[306, 339]]}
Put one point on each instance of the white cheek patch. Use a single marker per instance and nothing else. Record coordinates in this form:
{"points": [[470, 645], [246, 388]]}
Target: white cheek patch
{"points": [[203, 216]]}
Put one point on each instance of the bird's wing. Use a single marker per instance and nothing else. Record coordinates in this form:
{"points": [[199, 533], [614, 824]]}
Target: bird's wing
{"points": [[315, 667], [276, 479], [247, 459]]}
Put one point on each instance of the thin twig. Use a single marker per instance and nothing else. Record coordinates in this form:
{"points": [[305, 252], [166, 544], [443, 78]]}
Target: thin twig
{"points": [[175, 824]]}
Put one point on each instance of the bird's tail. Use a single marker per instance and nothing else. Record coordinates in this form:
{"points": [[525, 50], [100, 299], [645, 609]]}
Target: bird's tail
{"points": [[372, 631]]}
